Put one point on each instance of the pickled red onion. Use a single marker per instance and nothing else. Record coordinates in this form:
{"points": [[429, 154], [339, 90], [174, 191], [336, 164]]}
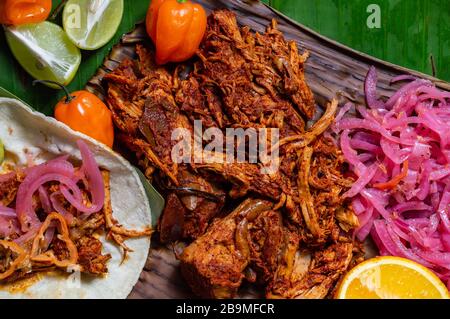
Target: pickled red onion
{"points": [[23, 220], [94, 177], [409, 215], [7, 212]]}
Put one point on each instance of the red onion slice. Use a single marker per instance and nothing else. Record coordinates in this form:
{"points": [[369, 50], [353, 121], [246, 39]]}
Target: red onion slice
{"points": [[94, 178], [59, 207], [27, 216], [7, 212], [45, 200], [370, 88], [362, 181], [32, 182], [63, 172], [8, 226]]}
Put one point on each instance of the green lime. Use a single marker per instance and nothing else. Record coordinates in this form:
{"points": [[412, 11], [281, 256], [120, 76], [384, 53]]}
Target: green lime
{"points": [[2, 152], [90, 24], [44, 51]]}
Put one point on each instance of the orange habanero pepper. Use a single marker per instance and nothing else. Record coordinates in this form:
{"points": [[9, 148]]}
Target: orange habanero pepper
{"points": [[18, 12], [177, 28], [84, 112]]}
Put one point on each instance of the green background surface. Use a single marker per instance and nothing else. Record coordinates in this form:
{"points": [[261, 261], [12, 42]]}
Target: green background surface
{"points": [[411, 31]]}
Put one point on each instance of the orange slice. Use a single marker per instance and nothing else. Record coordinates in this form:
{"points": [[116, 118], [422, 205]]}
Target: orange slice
{"points": [[391, 278]]}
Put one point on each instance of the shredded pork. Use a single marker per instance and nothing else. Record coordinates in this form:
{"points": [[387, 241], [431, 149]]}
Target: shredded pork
{"points": [[290, 231]]}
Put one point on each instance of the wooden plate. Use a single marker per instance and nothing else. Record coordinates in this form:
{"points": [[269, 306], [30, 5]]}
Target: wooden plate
{"points": [[332, 70]]}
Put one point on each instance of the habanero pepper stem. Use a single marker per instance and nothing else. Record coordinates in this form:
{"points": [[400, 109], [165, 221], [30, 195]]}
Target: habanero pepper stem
{"points": [[69, 97], [57, 10]]}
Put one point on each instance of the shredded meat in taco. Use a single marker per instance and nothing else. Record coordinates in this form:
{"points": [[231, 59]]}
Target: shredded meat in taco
{"points": [[52, 215]]}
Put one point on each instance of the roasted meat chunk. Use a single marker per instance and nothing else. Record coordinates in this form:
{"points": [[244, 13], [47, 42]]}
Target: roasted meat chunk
{"points": [[90, 256], [304, 275], [265, 233], [190, 207], [214, 265], [246, 178], [253, 244]]}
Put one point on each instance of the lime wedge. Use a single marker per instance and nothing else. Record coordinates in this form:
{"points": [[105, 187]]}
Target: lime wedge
{"points": [[44, 51], [90, 24], [2, 152]]}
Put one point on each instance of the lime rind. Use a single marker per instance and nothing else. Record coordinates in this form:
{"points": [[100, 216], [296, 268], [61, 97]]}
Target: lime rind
{"points": [[90, 24], [44, 51], [2, 152]]}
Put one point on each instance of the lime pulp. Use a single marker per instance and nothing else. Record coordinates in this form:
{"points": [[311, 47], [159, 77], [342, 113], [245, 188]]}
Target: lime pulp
{"points": [[90, 24]]}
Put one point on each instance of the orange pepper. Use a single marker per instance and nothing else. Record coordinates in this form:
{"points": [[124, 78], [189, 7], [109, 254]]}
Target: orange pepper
{"points": [[177, 28], [395, 180], [18, 12], [64, 235], [84, 112]]}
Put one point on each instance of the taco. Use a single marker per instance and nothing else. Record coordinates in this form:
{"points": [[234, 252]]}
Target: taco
{"points": [[75, 221]]}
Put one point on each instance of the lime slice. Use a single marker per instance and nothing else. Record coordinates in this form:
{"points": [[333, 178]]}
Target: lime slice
{"points": [[2, 152], [44, 51], [90, 24]]}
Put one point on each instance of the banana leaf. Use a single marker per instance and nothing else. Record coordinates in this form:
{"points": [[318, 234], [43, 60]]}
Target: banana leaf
{"points": [[155, 199], [333, 70], [411, 33], [7, 94]]}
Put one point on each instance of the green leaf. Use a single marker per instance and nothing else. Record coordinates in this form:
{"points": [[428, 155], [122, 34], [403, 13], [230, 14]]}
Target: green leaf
{"points": [[155, 199], [7, 94], [411, 31]]}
